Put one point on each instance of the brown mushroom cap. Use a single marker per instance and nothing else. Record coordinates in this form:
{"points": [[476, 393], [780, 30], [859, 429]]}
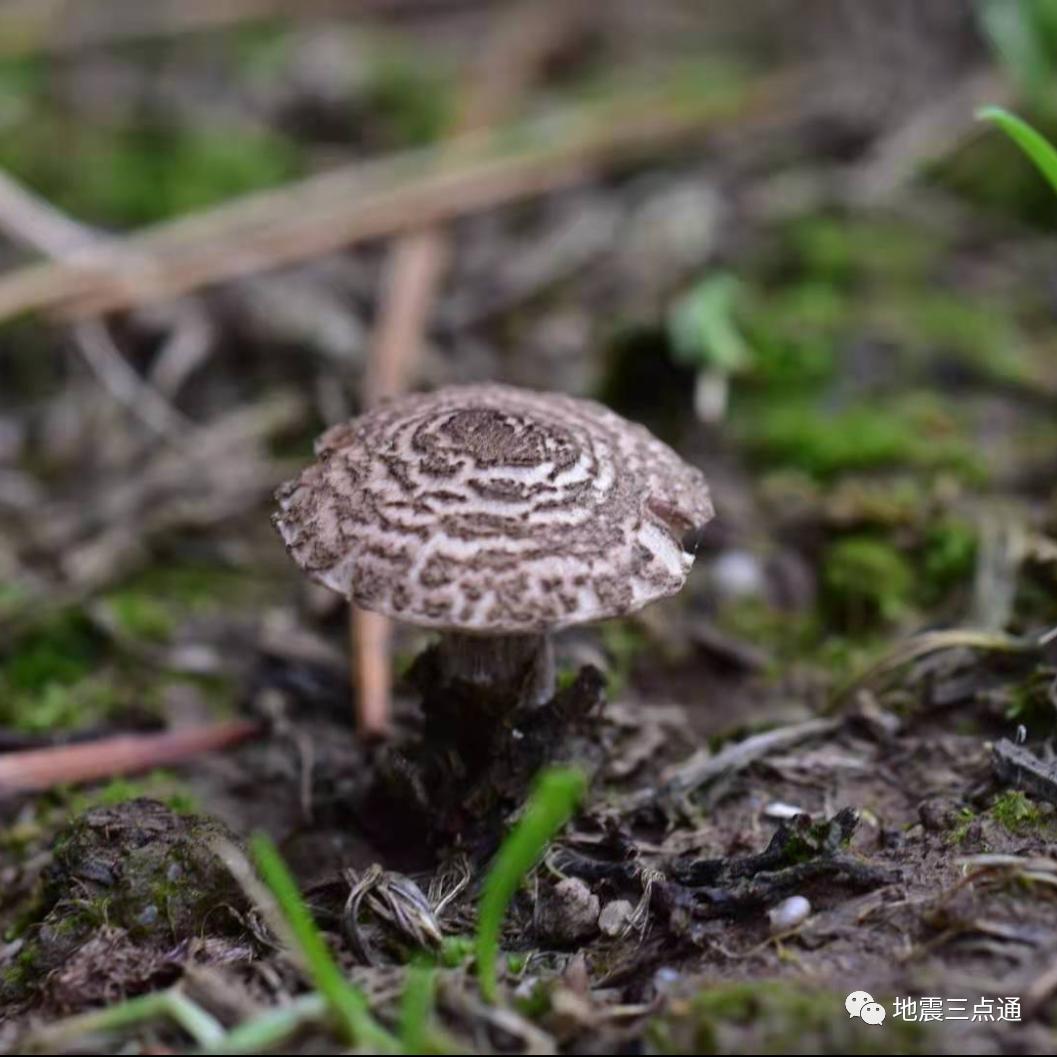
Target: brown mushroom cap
{"points": [[495, 510]]}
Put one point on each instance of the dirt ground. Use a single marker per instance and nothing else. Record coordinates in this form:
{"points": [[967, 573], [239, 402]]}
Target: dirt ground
{"points": [[851, 702]]}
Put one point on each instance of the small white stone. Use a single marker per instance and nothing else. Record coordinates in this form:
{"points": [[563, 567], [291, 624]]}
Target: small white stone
{"points": [[738, 574], [614, 917], [780, 810], [567, 912], [788, 914]]}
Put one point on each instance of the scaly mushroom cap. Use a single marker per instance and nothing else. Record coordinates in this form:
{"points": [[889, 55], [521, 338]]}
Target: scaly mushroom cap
{"points": [[494, 510]]}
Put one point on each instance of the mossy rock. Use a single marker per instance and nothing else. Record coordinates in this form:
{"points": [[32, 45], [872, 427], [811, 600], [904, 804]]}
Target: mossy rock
{"points": [[135, 866]]}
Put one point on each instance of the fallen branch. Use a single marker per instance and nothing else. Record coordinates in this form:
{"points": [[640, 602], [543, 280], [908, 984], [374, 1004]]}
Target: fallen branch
{"points": [[408, 191], [39, 769]]}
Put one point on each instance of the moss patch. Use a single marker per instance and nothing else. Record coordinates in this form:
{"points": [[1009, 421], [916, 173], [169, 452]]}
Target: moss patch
{"points": [[800, 434], [1015, 812], [134, 866], [773, 1016], [866, 581]]}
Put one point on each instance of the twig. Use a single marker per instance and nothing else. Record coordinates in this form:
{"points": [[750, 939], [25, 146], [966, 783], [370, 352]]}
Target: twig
{"points": [[38, 769], [1020, 767], [38, 225], [61, 26], [124, 384], [704, 767], [403, 192]]}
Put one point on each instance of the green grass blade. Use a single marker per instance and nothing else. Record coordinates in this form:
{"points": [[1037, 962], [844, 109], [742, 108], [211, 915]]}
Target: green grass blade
{"points": [[347, 1003], [551, 804], [1032, 143], [271, 1028], [133, 1012], [416, 1006]]}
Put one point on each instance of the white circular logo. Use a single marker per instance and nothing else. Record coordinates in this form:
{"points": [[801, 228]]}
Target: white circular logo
{"points": [[855, 1001]]}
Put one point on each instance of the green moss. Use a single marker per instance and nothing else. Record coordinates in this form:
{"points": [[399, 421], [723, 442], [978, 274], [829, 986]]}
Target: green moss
{"points": [[58, 706], [51, 678], [142, 172], [159, 785], [623, 642], [153, 868], [843, 249], [879, 502], [131, 864], [980, 332], [948, 556], [866, 581], [799, 434], [960, 830], [60, 652], [800, 639], [412, 101], [456, 951], [1016, 812], [785, 636], [773, 1016], [793, 335], [197, 586], [140, 616]]}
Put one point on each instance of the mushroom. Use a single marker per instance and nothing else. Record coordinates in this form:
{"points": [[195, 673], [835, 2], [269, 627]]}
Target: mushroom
{"points": [[495, 516]]}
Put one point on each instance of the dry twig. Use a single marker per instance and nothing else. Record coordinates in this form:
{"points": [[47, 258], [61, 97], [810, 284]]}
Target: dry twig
{"points": [[38, 225], [39, 769], [399, 193]]}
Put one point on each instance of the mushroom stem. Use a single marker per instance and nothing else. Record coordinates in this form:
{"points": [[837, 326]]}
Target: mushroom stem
{"points": [[517, 669]]}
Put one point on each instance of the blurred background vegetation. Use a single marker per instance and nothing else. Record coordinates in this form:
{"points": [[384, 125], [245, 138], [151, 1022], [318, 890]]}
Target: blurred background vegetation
{"points": [[836, 294], [772, 230]]}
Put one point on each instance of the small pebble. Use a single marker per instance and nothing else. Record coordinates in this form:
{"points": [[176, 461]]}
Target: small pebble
{"points": [[614, 917], [738, 574], [778, 809], [938, 814], [568, 912], [788, 914]]}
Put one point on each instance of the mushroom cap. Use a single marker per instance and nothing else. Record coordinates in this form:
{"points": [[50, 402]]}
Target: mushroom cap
{"points": [[494, 510]]}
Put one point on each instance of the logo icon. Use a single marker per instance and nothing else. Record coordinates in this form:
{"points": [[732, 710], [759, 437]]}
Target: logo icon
{"points": [[861, 1004], [872, 1013]]}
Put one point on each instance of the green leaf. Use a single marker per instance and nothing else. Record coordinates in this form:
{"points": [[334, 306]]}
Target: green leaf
{"points": [[702, 327], [551, 804], [347, 1003], [1032, 143]]}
